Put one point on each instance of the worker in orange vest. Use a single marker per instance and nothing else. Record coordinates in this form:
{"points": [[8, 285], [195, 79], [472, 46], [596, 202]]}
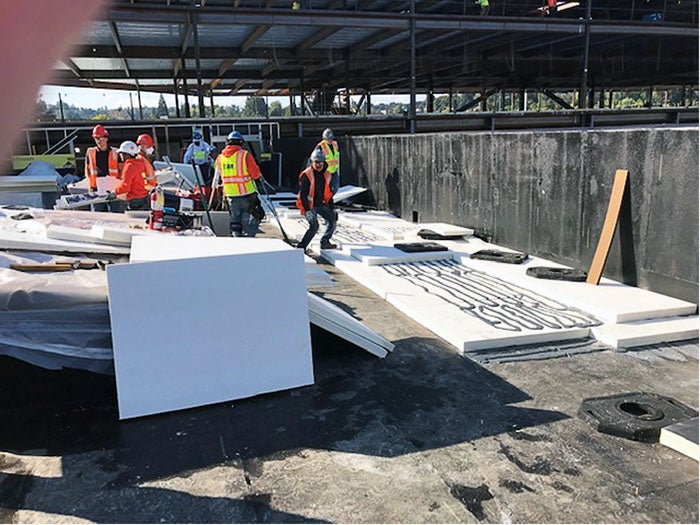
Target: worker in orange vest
{"points": [[146, 149], [238, 171], [101, 160], [132, 184], [329, 147], [315, 198]]}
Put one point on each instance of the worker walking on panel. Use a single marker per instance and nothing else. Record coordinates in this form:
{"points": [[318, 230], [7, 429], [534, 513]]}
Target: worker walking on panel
{"points": [[132, 184], [485, 7], [238, 171], [315, 198], [198, 151], [146, 149], [101, 160], [329, 147]]}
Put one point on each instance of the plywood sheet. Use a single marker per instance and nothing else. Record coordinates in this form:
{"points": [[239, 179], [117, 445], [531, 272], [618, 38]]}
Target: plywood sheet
{"points": [[188, 332]]}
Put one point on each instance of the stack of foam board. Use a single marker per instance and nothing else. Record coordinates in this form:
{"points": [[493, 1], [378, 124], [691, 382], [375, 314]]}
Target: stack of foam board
{"points": [[194, 323], [219, 318]]}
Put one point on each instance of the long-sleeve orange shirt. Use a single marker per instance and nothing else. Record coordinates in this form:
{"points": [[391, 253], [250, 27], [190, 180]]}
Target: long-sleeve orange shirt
{"points": [[132, 182]]}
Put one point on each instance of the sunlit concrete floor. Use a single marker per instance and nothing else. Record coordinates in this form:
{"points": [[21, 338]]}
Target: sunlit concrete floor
{"points": [[424, 435]]}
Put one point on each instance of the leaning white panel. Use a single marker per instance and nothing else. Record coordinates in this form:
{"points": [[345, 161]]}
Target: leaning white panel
{"points": [[329, 317], [192, 332]]}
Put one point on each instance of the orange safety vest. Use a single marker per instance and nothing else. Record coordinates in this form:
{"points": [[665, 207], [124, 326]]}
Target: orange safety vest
{"points": [[150, 181], [327, 195], [332, 155], [234, 174], [91, 164]]}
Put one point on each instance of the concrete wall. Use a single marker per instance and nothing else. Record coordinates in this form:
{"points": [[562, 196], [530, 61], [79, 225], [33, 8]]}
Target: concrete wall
{"points": [[544, 192]]}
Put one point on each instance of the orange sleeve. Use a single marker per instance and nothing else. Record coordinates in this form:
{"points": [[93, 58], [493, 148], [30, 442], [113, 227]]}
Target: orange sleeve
{"points": [[253, 168], [129, 170]]}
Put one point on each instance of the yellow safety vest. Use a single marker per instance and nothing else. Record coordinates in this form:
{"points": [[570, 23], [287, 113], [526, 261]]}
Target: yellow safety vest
{"points": [[234, 174], [332, 156]]}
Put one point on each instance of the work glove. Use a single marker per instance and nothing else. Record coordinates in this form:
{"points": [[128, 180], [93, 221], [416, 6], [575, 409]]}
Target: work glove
{"points": [[111, 196], [93, 188]]}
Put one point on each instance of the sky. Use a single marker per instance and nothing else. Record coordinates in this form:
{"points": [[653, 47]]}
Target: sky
{"points": [[113, 98]]}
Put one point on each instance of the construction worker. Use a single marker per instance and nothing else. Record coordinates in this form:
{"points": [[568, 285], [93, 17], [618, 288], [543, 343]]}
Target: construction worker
{"points": [[315, 198], [101, 160], [329, 147], [146, 149], [198, 152], [485, 7], [238, 171], [132, 182]]}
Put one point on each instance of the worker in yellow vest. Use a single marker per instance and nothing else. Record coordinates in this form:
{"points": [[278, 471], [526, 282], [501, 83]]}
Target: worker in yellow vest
{"points": [[485, 7], [329, 147], [146, 149], [101, 160], [238, 171]]}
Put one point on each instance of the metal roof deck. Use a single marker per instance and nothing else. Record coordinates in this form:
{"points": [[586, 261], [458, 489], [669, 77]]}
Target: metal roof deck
{"points": [[246, 47]]}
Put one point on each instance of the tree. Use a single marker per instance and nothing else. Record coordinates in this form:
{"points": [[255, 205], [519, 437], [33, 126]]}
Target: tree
{"points": [[162, 110], [276, 109], [254, 107]]}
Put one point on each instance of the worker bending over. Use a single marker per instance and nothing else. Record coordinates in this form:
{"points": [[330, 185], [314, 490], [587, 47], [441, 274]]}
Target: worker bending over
{"points": [[146, 149], [101, 160], [329, 147], [132, 184], [238, 171], [315, 198]]}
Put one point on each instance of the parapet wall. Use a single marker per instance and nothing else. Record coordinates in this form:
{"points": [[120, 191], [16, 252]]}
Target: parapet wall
{"points": [[546, 193]]}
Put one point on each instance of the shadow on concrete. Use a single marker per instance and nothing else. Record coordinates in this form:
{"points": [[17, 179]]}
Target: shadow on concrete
{"points": [[135, 504], [421, 396]]}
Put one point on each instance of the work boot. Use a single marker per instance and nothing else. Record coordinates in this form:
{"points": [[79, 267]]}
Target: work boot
{"points": [[328, 246]]}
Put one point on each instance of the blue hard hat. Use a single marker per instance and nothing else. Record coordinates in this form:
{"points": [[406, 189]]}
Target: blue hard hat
{"points": [[235, 135], [197, 135]]}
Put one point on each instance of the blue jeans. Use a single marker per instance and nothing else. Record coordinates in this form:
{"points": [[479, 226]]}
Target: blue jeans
{"points": [[312, 216], [243, 224]]}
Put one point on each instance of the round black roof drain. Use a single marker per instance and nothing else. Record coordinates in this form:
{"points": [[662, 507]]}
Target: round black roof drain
{"points": [[639, 416]]}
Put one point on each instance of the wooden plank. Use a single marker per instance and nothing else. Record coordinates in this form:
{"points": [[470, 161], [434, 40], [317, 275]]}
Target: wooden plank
{"points": [[606, 236]]}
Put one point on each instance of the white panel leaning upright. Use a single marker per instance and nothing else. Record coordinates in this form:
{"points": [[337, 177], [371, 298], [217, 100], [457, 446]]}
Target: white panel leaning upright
{"points": [[191, 332]]}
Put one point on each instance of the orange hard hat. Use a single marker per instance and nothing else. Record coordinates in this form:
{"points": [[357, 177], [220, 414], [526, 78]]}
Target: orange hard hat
{"points": [[99, 131], [144, 140]]}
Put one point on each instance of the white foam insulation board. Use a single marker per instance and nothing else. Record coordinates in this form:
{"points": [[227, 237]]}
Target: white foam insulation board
{"points": [[346, 192], [468, 309], [331, 318], [445, 229], [374, 255], [647, 332], [26, 241], [682, 437], [609, 301], [195, 331]]}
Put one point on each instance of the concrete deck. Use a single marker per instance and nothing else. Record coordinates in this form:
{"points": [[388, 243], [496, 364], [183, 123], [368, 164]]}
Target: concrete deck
{"points": [[423, 435]]}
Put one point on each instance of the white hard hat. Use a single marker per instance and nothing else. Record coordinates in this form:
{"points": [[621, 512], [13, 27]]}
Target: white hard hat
{"points": [[328, 134], [129, 147]]}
